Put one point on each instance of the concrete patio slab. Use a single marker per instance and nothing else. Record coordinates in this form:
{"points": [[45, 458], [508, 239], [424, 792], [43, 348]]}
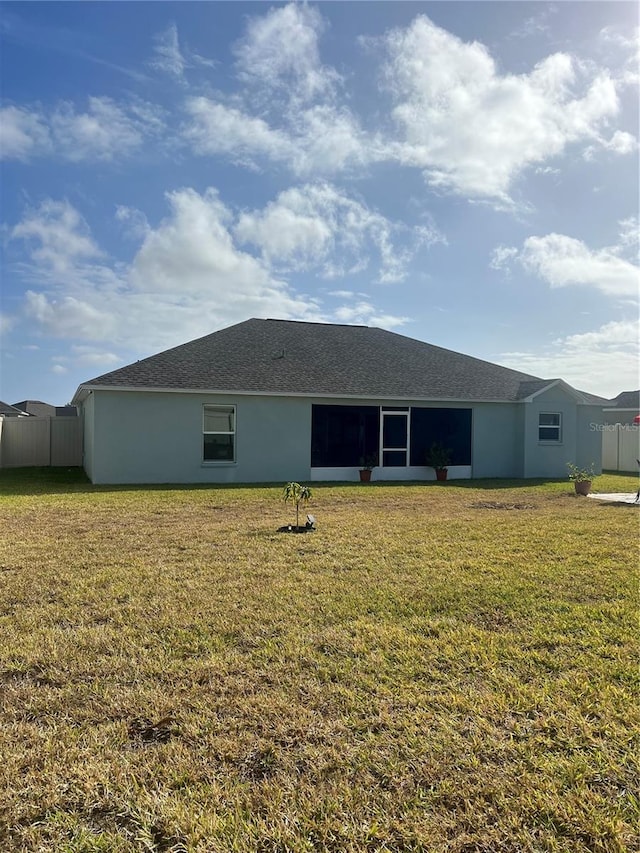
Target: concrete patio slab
{"points": [[616, 498]]}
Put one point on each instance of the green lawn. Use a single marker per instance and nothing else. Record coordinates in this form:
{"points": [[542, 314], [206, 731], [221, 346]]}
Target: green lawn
{"points": [[439, 667]]}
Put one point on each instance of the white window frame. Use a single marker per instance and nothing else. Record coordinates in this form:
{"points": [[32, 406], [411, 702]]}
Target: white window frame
{"points": [[550, 426], [226, 407]]}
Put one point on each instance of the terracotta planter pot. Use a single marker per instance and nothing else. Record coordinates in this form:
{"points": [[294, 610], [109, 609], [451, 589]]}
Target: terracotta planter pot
{"points": [[365, 476], [583, 487], [441, 474]]}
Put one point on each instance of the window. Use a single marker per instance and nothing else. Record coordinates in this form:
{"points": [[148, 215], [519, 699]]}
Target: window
{"points": [[549, 426], [219, 429]]}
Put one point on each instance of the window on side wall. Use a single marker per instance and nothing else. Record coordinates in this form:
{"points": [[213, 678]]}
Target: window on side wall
{"points": [[550, 427], [219, 434]]}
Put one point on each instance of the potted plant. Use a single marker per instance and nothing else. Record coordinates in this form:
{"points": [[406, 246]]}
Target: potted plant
{"points": [[582, 478], [297, 494], [438, 458], [367, 464]]}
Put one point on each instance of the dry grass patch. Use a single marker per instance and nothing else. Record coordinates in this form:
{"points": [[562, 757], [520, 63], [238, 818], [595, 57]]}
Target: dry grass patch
{"points": [[437, 668]]}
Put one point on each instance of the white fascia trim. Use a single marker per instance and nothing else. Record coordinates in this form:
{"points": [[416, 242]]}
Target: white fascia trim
{"points": [[84, 391]]}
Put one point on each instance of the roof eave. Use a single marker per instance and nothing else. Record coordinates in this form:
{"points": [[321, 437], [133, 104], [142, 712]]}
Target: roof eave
{"points": [[84, 390]]}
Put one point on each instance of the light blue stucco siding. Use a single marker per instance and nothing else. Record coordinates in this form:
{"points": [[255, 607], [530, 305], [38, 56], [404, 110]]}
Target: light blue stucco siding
{"points": [[87, 413], [157, 437], [549, 459], [589, 437], [497, 436]]}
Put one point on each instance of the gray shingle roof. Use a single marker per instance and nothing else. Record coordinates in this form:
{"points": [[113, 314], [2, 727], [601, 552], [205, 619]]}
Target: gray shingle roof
{"points": [[8, 409], [287, 357], [626, 400]]}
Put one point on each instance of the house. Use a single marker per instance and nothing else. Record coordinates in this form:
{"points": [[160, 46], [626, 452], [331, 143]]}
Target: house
{"points": [[278, 400], [623, 408], [38, 409], [8, 411]]}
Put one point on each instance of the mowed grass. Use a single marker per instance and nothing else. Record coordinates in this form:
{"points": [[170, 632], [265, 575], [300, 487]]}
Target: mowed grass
{"points": [[439, 667]]}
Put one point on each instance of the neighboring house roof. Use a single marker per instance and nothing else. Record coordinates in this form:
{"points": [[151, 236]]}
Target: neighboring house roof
{"points": [[11, 411], [38, 409], [319, 359], [626, 400]]}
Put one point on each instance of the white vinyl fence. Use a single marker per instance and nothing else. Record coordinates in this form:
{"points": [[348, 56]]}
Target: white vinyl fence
{"points": [[27, 442], [620, 447]]}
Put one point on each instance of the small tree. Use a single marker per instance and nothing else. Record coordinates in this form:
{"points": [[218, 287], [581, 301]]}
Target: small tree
{"points": [[297, 494]]}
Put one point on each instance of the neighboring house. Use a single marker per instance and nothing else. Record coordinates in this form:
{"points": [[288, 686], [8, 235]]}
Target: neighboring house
{"points": [[8, 411], [276, 400], [623, 408], [38, 409]]}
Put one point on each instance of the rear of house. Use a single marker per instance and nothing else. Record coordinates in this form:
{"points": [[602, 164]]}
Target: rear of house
{"points": [[272, 400]]}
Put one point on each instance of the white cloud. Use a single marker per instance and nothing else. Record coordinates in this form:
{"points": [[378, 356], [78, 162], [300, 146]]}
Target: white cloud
{"points": [[69, 317], [502, 256], [59, 369], [629, 235], [168, 57], [621, 143], [319, 140], [317, 226], [134, 220], [286, 111], [280, 54], [218, 129], [364, 314], [591, 361], [91, 356], [23, 134], [6, 322], [563, 261], [621, 50], [171, 58], [60, 236], [187, 278], [106, 131], [474, 130]]}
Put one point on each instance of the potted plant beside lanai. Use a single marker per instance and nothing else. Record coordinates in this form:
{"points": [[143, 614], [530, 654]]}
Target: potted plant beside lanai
{"points": [[367, 464], [439, 458]]}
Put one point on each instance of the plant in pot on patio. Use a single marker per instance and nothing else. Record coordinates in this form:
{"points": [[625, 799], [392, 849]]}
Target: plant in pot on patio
{"points": [[438, 458], [367, 464], [582, 478]]}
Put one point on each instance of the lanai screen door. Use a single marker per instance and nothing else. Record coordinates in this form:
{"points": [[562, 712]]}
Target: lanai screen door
{"points": [[395, 439]]}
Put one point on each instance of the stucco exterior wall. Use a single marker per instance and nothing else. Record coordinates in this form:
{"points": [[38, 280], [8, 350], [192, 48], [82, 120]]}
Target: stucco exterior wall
{"points": [[589, 437], [549, 459], [497, 436], [142, 437], [157, 437], [86, 412]]}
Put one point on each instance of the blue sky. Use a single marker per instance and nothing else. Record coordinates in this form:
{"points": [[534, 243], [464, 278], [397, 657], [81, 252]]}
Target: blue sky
{"points": [[464, 173]]}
